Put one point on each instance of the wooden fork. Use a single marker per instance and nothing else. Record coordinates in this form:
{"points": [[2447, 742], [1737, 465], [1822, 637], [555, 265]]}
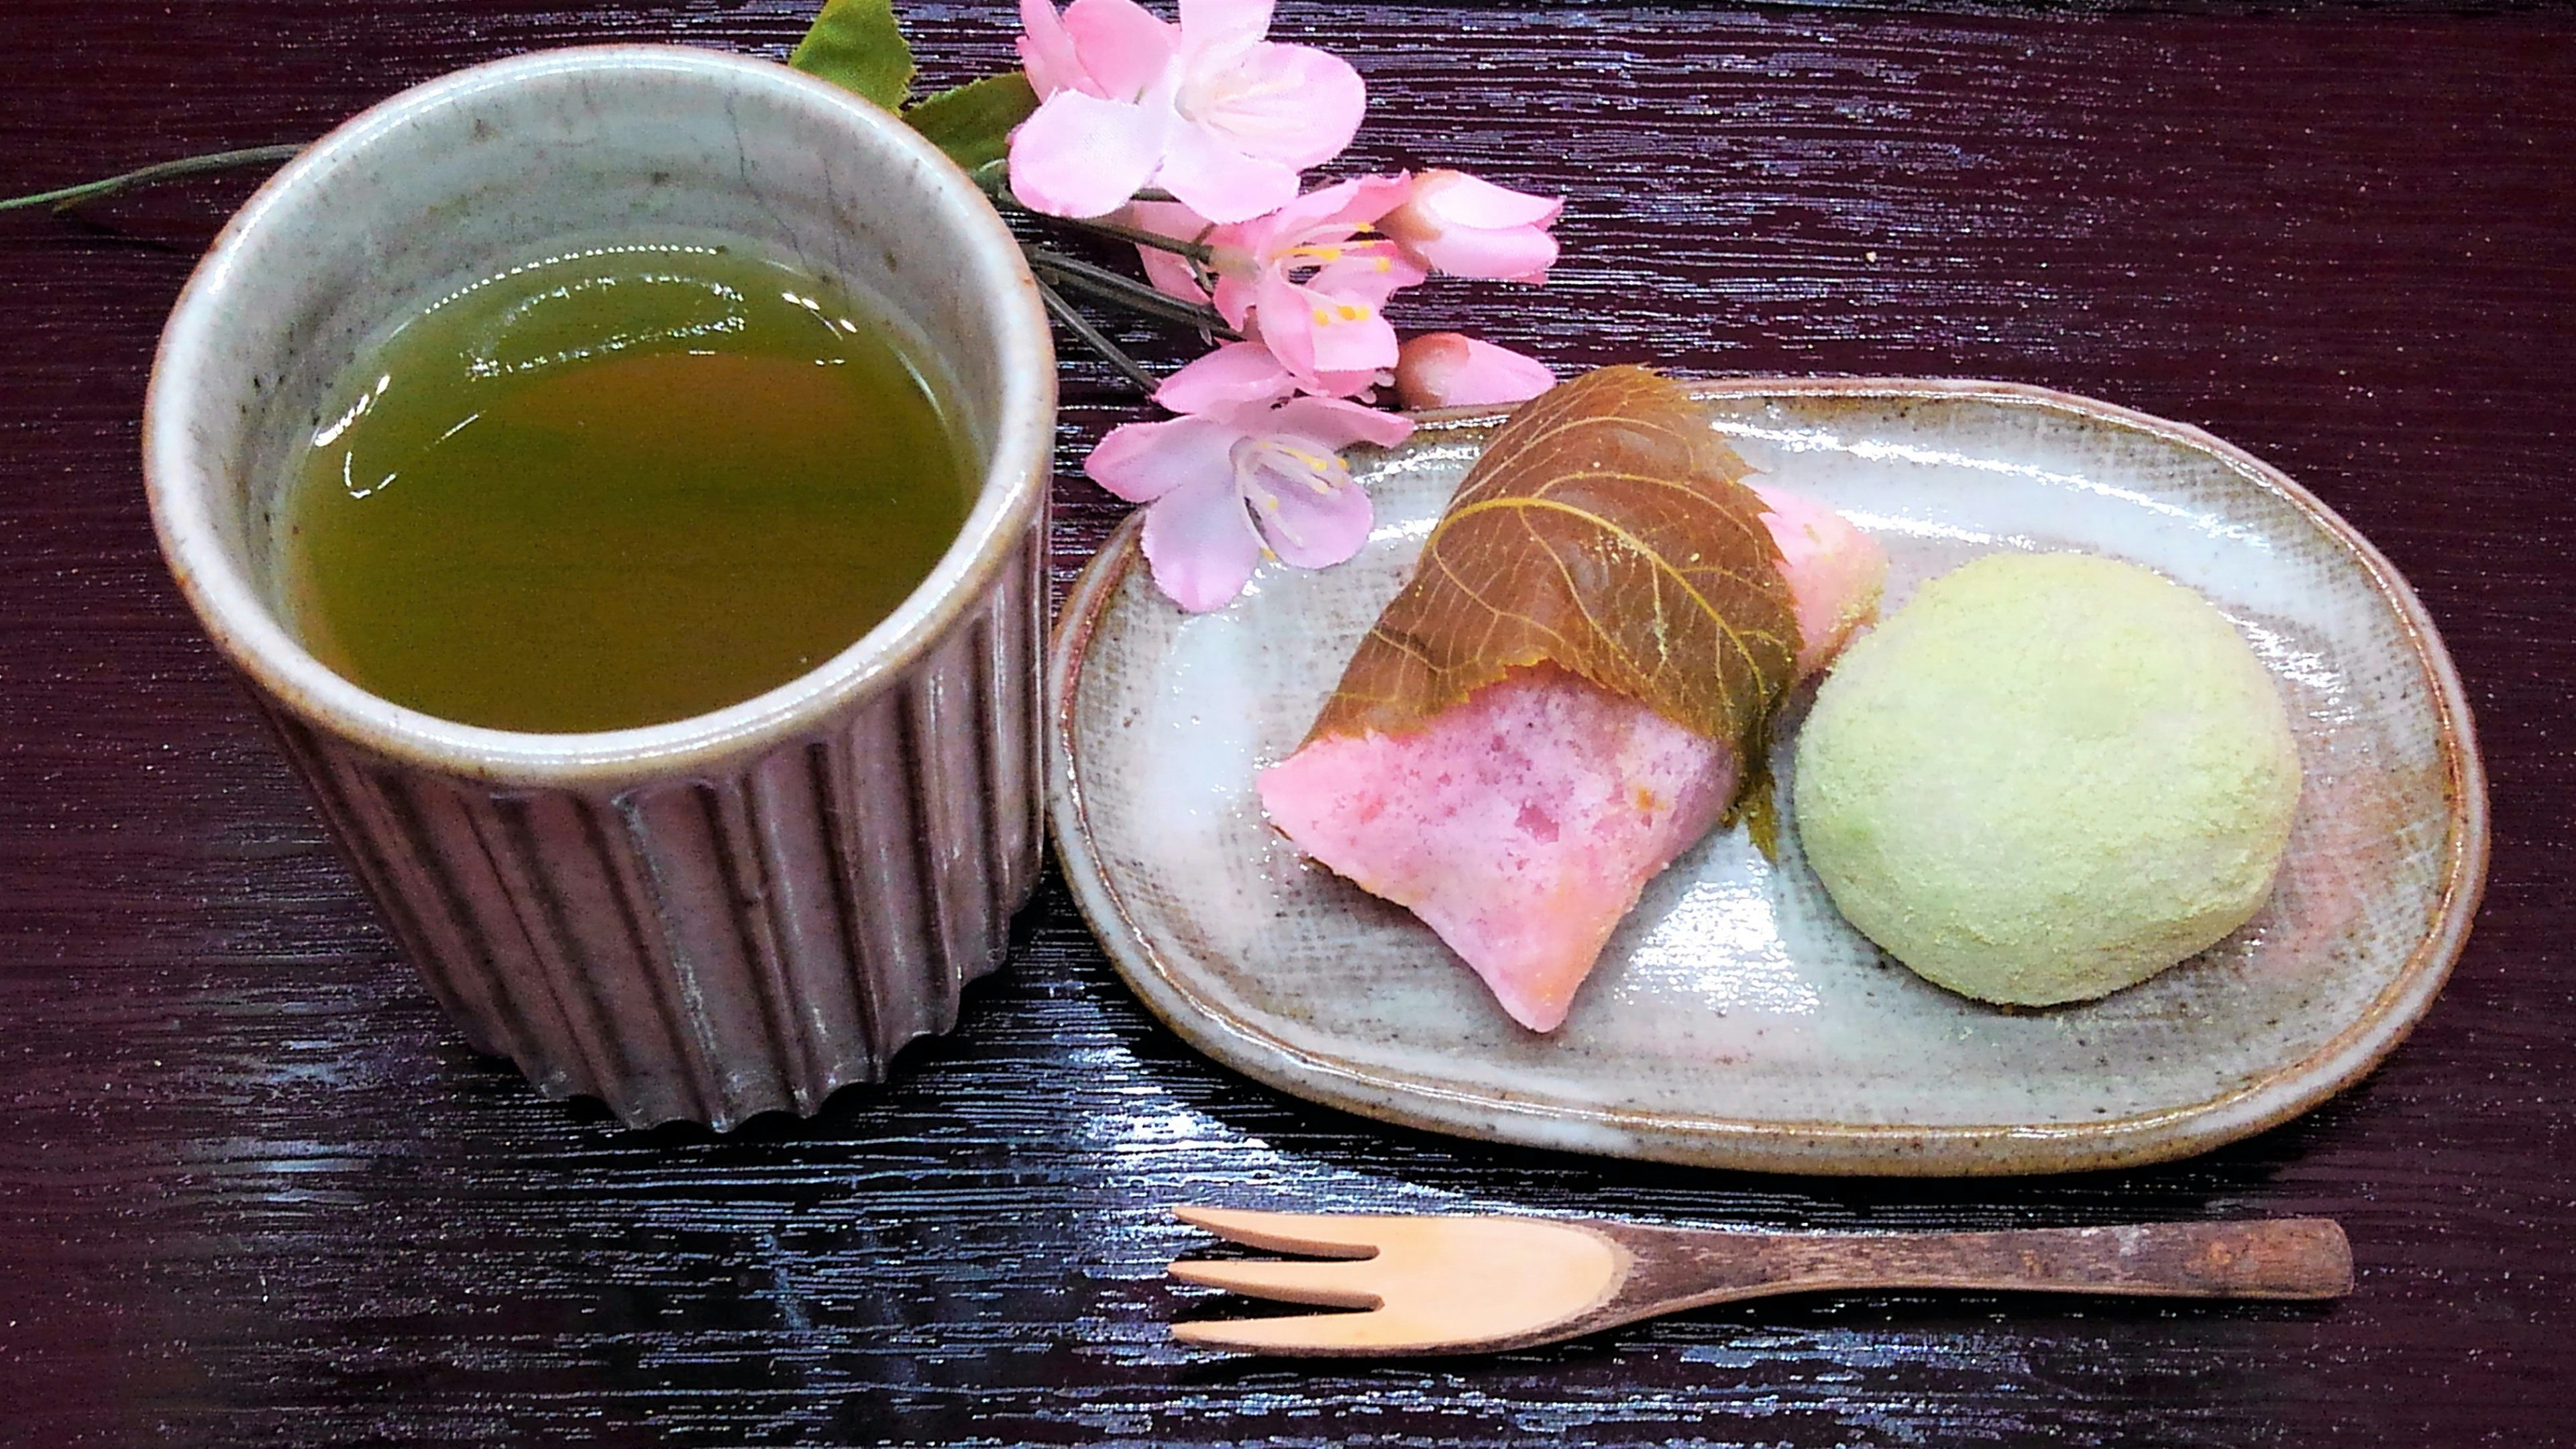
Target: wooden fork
{"points": [[1484, 1284]]}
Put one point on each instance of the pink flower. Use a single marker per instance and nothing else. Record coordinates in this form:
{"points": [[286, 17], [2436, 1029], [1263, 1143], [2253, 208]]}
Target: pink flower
{"points": [[1301, 279], [1208, 110], [1169, 271], [1444, 369], [1457, 224], [1247, 465]]}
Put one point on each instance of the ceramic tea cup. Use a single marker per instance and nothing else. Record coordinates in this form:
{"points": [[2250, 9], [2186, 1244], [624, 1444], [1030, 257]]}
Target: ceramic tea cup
{"points": [[729, 914]]}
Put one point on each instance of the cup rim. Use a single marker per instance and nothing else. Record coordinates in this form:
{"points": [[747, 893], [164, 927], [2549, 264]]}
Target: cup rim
{"points": [[179, 489]]}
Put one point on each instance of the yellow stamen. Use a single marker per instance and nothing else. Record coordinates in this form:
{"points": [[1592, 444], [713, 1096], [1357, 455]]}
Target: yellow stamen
{"points": [[1351, 313], [1323, 318]]}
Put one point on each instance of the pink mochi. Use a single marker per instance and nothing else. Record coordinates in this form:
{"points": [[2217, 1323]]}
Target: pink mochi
{"points": [[1522, 824], [1834, 572]]}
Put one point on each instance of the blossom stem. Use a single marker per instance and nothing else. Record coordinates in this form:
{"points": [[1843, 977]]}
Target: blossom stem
{"points": [[1109, 286], [998, 188], [1098, 341], [67, 197], [1199, 252]]}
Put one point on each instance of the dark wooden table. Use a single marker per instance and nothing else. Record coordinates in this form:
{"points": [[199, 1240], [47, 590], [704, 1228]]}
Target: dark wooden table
{"points": [[253, 1188]]}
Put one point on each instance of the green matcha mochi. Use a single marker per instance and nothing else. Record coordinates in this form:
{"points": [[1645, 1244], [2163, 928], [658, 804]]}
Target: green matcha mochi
{"points": [[2049, 777]]}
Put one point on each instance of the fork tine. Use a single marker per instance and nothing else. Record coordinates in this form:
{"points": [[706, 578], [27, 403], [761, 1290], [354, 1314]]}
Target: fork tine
{"points": [[1304, 1333], [1334, 1285], [1320, 1235], [1458, 1283]]}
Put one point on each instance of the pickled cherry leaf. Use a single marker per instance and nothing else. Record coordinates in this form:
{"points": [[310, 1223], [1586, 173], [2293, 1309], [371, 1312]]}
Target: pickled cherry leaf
{"points": [[1606, 530]]}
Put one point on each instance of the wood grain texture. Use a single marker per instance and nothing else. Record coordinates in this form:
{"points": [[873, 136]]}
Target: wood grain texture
{"points": [[1429, 1281], [2290, 1258], [255, 1189]]}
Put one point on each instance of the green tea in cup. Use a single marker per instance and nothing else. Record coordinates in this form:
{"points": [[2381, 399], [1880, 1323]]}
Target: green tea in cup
{"points": [[636, 472], [614, 486]]}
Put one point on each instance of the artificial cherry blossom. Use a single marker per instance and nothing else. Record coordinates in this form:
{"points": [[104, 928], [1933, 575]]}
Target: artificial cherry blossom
{"points": [[1249, 467], [1465, 227], [1207, 109], [1303, 278], [1444, 369]]}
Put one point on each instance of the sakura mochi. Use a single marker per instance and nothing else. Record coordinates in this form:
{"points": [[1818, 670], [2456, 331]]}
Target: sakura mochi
{"points": [[1563, 699], [1520, 825]]}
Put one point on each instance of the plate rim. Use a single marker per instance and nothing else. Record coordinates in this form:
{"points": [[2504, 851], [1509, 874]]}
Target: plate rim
{"points": [[1825, 1148]]}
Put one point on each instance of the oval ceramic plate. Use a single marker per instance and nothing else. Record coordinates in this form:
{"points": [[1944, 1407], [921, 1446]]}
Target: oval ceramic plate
{"points": [[1735, 1020]]}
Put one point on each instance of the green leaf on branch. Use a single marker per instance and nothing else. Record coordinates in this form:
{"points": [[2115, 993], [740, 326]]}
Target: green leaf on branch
{"points": [[973, 122], [855, 44]]}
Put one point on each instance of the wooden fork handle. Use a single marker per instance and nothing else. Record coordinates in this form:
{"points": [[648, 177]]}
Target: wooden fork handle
{"points": [[2274, 1258]]}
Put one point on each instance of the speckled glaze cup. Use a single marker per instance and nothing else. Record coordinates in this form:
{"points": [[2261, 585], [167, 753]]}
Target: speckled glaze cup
{"points": [[730, 914]]}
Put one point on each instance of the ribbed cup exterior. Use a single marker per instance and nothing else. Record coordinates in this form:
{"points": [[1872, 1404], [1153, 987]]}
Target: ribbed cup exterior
{"points": [[711, 948], [709, 918]]}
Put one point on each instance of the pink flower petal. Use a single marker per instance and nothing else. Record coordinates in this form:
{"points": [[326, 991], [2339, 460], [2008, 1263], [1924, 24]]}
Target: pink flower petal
{"points": [[1368, 279], [1344, 384], [1123, 47], [1342, 208], [1047, 53], [1463, 200], [1285, 319], [1291, 104], [1291, 336], [1366, 345], [1312, 518], [1364, 199], [1170, 272], [1218, 181], [1224, 27], [1079, 155], [1233, 376], [1201, 544], [1522, 254], [1141, 462], [1167, 218], [1444, 369], [1341, 335], [1335, 424], [1234, 298], [1472, 228]]}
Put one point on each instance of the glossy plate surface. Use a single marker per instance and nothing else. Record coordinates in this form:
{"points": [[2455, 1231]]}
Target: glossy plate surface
{"points": [[1735, 1020]]}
